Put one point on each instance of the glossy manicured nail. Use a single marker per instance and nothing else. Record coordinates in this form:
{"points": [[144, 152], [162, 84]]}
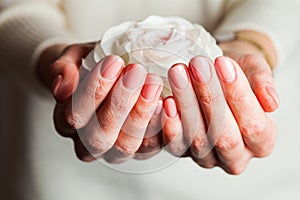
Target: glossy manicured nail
{"points": [[56, 85], [134, 76], [111, 66], [152, 84], [272, 92], [159, 108], [179, 76], [170, 107], [200, 69], [226, 70]]}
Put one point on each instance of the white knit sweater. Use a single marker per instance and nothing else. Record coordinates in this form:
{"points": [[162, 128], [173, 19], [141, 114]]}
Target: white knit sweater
{"points": [[29, 26], [45, 166]]}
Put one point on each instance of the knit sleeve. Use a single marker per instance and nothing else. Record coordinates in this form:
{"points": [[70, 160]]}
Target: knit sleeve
{"points": [[275, 18], [26, 29]]}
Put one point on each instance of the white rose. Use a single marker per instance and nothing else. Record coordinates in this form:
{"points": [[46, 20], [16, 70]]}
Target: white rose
{"points": [[157, 43]]}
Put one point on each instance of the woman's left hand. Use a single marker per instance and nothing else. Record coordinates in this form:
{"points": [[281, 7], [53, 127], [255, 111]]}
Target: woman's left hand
{"points": [[219, 112]]}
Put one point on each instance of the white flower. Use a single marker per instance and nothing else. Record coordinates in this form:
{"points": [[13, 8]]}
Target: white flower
{"points": [[157, 43]]}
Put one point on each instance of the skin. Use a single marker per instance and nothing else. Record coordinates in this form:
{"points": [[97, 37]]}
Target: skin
{"points": [[121, 119]]}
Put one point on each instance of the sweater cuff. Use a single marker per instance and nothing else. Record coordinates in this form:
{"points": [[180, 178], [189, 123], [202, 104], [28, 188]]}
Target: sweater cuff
{"points": [[25, 31], [263, 16]]}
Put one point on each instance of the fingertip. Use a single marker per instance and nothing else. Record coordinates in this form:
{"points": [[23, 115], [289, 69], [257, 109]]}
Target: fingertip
{"points": [[178, 76], [226, 69], [269, 99], [200, 69], [170, 107]]}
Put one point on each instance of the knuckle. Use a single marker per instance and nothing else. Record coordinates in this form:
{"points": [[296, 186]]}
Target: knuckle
{"points": [[205, 99], [94, 89], [97, 144], [119, 104], [207, 162], [237, 95], [226, 143], [252, 129], [177, 150], [150, 144], [60, 63], [74, 121], [198, 145], [236, 169], [126, 149], [140, 116]]}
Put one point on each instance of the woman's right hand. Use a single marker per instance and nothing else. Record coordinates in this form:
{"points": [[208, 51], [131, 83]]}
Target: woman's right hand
{"points": [[111, 112]]}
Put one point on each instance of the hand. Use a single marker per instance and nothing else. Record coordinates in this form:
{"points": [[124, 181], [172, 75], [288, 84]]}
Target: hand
{"points": [[219, 110], [106, 111]]}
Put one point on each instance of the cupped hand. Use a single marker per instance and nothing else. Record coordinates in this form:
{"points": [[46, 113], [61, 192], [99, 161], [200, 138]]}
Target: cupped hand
{"points": [[106, 111], [219, 112]]}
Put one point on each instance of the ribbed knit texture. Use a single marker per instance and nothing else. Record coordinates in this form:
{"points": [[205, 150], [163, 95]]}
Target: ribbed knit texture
{"points": [[28, 28], [23, 29], [275, 18]]}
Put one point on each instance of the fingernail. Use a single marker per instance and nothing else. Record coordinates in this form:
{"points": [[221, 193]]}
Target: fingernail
{"points": [[56, 85], [170, 107], [111, 66], [226, 70], [158, 108], [134, 76], [201, 69], [272, 92], [152, 85], [179, 76]]}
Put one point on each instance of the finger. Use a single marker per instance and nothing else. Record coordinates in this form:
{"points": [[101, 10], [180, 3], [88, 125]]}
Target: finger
{"points": [[194, 127], [81, 152], [134, 128], [257, 128], [152, 142], [102, 131], [64, 74], [92, 92], [173, 138], [223, 131], [261, 81]]}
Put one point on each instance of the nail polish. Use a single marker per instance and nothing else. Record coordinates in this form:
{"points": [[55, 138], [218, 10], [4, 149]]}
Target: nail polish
{"points": [[110, 66], [56, 85], [159, 108], [178, 76], [170, 107], [134, 76], [272, 92], [152, 84], [201, 69], [226, 70]]}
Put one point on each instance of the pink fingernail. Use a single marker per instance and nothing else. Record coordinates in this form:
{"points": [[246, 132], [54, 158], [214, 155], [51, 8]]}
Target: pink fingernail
{"points": [[134, 76], [159, 107], [272, 92], [226, 70], [56, 85], [170, 107], [110, 66], [178, 76], [201, 69], [152, 84]]}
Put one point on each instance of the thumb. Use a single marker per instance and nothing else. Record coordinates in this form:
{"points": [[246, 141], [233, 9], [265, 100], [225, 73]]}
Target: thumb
{"points": [[64, 72]]}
